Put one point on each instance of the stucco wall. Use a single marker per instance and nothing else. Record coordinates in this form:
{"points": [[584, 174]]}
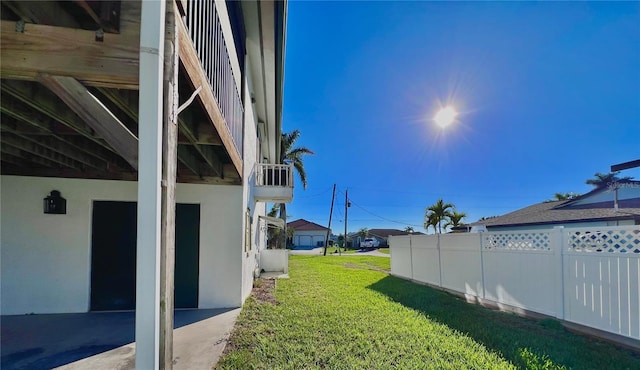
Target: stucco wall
{"points": [[46, 258], [250, 258]]}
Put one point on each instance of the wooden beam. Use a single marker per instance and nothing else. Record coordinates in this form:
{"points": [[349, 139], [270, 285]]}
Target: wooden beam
{"points": [[20, 120], [625, 165], [169, 171], [60, 51], [59, 147], [17, 157], [121, 101], [189, 159], [208, 154], [196, 139], [106, 14], [46, 104], [197, 77], [70, 173], [38, 151], [45, 12], [95, 114], [230, 177]]}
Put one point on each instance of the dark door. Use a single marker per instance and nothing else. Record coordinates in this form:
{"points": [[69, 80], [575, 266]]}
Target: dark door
{"points": [[113, 257], [187, 255]]}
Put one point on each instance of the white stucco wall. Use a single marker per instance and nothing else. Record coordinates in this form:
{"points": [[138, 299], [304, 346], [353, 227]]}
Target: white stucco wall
{"points": [[46, 259], [250, 258]]}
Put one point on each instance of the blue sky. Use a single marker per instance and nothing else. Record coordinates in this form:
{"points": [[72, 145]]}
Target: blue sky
{"points": [[547, 94]]}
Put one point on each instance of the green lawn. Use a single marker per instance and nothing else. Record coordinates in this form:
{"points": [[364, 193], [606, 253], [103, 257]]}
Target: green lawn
{"points": [[331, 250], [348, 313]]}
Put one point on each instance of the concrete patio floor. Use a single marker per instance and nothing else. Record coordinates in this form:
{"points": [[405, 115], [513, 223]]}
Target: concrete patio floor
{"points": [[104, 340]]}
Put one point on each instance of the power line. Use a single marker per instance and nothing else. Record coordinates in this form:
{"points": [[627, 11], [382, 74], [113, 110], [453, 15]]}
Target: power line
{"points": [[381, 217], [315, 195]]}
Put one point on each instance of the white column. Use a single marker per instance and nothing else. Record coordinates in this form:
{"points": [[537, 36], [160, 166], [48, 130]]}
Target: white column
{"points": [[149, 180]]}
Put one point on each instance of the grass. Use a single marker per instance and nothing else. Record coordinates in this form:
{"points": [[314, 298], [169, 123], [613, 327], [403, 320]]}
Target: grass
{"points": [[384, 250], [348, 313], [344, 251]]}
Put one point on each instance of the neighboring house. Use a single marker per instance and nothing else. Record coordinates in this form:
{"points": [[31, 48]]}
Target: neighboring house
{"points": [[308, 234], [595, 208], [382, 235], [71, 103]]}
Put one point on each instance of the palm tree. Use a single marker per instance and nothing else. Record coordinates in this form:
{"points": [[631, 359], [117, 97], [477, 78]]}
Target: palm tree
{"points": [[440, 211], [362, 234], [409, 229], [455, 219], [601, 180], [292, 155], [564, 196], [431, 221]]}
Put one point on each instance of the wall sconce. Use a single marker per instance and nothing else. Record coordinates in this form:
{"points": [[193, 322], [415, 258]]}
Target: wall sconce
{"points": [[55, 204]]}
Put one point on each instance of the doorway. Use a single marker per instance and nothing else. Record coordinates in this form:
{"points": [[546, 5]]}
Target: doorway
{"points": [[113, 256]]}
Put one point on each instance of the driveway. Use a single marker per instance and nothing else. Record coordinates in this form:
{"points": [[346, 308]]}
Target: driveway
{"points": [[105, 340]]}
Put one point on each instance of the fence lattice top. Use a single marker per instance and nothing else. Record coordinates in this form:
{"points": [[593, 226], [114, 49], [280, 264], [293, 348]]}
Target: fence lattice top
{"points": [[604, 241], [531, 241]]}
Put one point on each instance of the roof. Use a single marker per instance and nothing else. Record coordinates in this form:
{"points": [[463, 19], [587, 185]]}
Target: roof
{"points": [[302, 224], [567, 211], [384, 233]]}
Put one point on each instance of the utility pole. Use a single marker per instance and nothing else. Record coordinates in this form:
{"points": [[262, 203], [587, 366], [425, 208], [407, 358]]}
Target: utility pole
{"points": [[326, 239], [346, 211]]}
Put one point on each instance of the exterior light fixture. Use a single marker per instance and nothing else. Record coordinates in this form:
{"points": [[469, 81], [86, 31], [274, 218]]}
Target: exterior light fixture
{"points": [[55, 204]]}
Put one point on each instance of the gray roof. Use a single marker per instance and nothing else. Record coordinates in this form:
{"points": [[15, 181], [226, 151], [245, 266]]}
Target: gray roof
{"points": [[384, 233], [565, 211]]}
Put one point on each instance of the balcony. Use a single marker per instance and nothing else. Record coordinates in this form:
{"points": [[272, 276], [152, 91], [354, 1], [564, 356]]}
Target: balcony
{"points": [[274, 183]]}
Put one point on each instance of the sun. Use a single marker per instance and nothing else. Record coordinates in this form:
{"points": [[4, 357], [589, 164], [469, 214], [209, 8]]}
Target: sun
{"points": [[445, 116]]}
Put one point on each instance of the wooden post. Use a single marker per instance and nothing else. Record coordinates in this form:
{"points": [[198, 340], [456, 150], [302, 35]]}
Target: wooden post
{"points": [[169, 165], [326, 239], [346, 213]]}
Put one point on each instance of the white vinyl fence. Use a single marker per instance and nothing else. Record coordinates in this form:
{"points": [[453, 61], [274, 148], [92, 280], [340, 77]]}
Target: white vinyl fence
{"points": [[588, 276]]}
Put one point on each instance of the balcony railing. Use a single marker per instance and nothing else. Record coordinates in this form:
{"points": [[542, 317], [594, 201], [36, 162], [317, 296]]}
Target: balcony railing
{"points": [[274, 182], [205, 31]]}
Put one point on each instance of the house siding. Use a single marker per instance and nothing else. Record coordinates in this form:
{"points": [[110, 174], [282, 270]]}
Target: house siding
{"points": [[567, 225]]}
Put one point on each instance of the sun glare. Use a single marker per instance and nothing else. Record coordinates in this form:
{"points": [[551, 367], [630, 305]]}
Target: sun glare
{"points": [[445, 116]]}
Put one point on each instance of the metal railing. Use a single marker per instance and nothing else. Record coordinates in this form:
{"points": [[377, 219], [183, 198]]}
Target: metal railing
{"points": [[205, 30], [276, 175]]}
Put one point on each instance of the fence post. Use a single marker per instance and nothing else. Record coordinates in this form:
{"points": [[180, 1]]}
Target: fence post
{"points": [[439, 259], [480, 234], [558, 244], [411, 256]]}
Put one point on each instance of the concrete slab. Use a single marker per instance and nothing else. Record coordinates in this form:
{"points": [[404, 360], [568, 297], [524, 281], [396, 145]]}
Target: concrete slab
{"points": [[274, 275], [105, 340]]}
